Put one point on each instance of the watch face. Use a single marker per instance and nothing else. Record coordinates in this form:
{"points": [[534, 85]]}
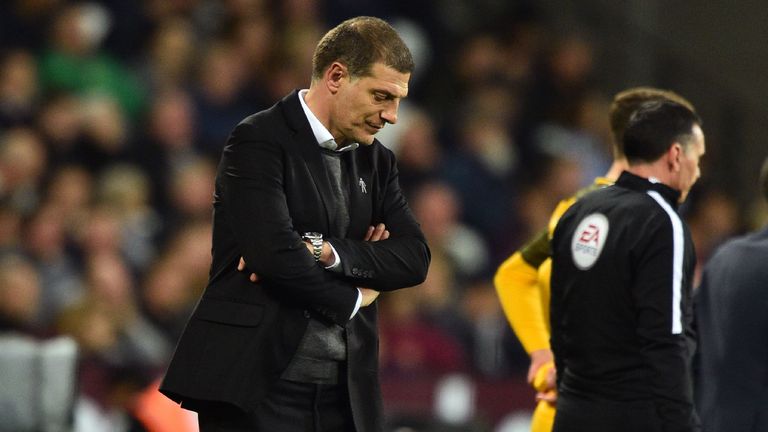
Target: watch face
{"points": [[313, 235]]}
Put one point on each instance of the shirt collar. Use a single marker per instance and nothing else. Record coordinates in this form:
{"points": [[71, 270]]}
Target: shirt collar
{"points": [[635, 182], [322, 135]]}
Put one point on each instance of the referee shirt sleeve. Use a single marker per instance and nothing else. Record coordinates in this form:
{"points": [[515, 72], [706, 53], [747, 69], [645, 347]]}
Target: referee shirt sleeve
{"points": [[657, 293]]}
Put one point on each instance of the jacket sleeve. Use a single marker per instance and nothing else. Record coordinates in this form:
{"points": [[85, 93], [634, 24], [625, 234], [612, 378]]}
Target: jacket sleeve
{"points": [[732, 317], [251, 186], [398, 262], [658, 294]]}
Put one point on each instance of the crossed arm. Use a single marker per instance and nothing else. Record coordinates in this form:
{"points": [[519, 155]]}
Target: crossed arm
{"points": [[374, 234]]}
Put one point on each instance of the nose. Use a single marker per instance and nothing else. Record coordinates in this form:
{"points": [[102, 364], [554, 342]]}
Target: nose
{"points": [[389, 113]]}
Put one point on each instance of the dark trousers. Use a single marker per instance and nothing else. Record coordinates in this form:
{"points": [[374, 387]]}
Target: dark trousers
{"points": [[581, 415], [290, 407]]}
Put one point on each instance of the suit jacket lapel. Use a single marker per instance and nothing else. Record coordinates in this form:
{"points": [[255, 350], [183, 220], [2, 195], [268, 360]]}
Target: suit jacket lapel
{"points": [[304, 142]]}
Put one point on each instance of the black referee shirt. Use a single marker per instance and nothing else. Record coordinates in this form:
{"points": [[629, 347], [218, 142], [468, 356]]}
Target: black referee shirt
{"points": [[621, 308]]}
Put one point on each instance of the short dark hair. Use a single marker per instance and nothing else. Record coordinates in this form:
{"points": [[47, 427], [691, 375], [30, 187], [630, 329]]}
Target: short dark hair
{"points": [[654, 127], [626, 102], [764, 179], [360, 42]]}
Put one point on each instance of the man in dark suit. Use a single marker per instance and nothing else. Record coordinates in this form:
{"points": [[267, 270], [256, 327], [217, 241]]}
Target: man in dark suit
{"points": [[300, 188], [732, 317]]}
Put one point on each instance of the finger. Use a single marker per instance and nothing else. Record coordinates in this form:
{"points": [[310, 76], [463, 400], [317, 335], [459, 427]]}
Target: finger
{"points": [[549, 396], [369, 233], [253, 277], [385, 235], [241, 264], [377, 233]]}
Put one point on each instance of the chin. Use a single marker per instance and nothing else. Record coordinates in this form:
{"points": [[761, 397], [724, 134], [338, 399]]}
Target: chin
{"points": [[366, 140]]}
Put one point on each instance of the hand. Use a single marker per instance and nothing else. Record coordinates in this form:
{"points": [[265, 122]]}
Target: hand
{"points": [[379, 232], [545, 376], [538, 359], [241, 266], [369, 295], [549, 396], [374, 234]]}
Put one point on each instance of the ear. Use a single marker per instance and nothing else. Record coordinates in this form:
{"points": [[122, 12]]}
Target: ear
{"points": [[674, 153], [334, 76]]}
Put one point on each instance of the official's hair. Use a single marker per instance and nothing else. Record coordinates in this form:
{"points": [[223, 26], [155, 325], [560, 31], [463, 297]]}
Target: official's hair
{"points": [[654, 127], [625, 103], [764, 179], [360, 42]]}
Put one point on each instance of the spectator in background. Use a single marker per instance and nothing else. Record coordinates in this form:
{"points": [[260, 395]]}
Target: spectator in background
{"points": [[168, 297], [732, 318], [419, 154], [106, 135], [75, 62], [167, 145], [411, 344], [219, 96], [22, 164], [482, 166], [560, 85], [170, 57], [60, 124], [190, 191], [437, 208], [125, 189], [45, 242], [713, 217], [20, 295], [37, 380], [70, 193], [19, 93]]}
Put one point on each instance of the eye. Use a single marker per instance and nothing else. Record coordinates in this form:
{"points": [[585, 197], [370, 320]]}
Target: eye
{"points": [[380, 97]]}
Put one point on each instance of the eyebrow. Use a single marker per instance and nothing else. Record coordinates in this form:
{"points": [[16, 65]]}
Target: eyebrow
{"points": [[386, 93]]}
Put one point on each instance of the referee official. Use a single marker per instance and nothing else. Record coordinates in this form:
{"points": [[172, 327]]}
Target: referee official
{"points": [[622, 269]]}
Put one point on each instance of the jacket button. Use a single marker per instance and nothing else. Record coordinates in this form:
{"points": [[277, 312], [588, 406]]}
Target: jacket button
{"points": [[306, 314]]}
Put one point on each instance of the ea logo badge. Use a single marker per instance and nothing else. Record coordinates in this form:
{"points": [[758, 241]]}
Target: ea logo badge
{"points": [[588, 240]]}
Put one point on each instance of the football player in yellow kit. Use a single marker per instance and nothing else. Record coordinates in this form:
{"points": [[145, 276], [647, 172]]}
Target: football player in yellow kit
{"points": [[522, 280]]}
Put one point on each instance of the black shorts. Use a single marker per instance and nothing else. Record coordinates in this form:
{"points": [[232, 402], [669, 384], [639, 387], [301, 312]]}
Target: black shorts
{"points": [[575, 414]]}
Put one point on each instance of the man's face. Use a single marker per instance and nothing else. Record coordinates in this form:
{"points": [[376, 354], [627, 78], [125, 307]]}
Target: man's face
{"points": [[365, 104], [689, 162]]}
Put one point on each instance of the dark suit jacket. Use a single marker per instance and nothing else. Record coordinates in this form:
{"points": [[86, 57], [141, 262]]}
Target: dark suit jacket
{"points": [[732, 318], [271, 187]]}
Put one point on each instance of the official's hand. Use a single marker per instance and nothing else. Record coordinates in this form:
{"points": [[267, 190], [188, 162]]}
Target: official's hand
{"points": [[241, 266]]}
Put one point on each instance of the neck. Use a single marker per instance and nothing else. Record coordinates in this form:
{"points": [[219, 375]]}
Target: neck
{"points": [[657, 169], [616, 168], [316, 103]]}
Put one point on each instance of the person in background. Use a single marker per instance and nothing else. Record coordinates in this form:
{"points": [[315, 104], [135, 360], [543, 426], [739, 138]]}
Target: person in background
{"points": [[732, 320], [621, 293], [522, 280]]}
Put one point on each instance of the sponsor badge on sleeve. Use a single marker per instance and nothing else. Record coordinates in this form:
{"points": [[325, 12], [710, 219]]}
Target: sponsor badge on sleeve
{"points": [[588, 240]]}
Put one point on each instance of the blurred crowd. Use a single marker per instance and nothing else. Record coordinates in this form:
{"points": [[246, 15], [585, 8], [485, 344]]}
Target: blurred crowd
{"points": [[113, 115]]}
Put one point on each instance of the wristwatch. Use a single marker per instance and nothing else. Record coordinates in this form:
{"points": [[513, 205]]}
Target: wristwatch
{"points": [[316, 240]]}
